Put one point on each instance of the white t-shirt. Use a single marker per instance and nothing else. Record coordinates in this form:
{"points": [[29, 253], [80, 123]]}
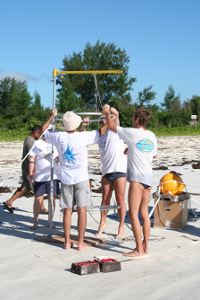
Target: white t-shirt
{"points": [[111, 149], [73, 153], [142, 147], [42, 153]]}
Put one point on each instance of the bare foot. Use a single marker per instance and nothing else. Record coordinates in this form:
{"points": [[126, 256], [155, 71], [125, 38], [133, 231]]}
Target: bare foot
{"points": [[134, 253], [120, 237], [34, 227], [81, 246], [121, 233], [9, 203], [100, 230], [99, 235], [68, 245], [145, 247], [53, 226], [44, 211]]}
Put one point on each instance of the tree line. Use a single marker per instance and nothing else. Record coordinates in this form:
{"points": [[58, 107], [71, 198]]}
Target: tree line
{"points": [[18, 109], [79, 93]]}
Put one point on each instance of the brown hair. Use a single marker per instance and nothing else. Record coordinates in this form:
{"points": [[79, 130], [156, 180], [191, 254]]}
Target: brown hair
{"points": [[143, 116]]}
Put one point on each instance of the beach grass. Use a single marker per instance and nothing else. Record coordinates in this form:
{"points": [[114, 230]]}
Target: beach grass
{"points": [[8, 135], [176, 131]]}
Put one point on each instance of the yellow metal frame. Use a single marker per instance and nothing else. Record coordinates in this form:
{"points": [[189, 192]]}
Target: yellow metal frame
{"points": [[57, 72]]}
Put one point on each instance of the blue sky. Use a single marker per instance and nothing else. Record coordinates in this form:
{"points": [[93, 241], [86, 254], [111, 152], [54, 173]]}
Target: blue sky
{"points": [[161, 37]]}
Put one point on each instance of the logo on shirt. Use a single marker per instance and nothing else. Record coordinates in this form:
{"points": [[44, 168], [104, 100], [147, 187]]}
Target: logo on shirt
{"points": [[69, 155], [145, 145]]}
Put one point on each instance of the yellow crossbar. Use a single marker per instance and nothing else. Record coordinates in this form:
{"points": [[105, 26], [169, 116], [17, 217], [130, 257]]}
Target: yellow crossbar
{"points": [[57, 72]]}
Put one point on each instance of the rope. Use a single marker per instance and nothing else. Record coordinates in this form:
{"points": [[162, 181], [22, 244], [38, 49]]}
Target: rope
{"points": [[31, 149], [97, 94], [194, 194], [91, 215]]}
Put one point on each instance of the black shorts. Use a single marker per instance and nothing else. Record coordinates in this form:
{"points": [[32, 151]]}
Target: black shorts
{"points": [[44, 187], [145, 186], [115, 175]]}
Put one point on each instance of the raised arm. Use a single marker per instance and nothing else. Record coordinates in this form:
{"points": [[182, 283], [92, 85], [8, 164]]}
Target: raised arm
{"points": [[49, 121], [84, 124], [112, 117]]}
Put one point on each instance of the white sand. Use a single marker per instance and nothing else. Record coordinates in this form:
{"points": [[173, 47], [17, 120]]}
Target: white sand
{"points": [[33, 270]]}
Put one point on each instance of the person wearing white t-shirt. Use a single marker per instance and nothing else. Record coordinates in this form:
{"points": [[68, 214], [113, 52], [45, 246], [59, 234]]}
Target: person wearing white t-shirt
{"points": [[40, 174], [114, 165], [73, 158], [142, 148]]}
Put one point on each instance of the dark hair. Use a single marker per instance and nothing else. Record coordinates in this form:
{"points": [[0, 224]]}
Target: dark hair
{"points": [[35, 128], [143, 116]]}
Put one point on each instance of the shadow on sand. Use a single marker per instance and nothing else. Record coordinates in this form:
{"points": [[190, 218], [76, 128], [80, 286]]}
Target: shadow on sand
{"points": [[19, 225], [189, 229]]}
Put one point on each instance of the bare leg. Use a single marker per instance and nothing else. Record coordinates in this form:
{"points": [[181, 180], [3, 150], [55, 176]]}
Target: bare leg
{"points": [[119, 187], [17, 194], [36, 210], [82, 221], [43, 208], [135, 199], [67, 227], [106, 195], [145, 217], [54, 204]]}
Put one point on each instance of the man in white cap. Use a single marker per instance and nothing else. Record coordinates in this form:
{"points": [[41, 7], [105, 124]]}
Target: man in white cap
{"points": [[73, 157]]}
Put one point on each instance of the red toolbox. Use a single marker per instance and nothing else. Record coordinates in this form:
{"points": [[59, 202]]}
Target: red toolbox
{"points": [[109, 265], [85, 267]]}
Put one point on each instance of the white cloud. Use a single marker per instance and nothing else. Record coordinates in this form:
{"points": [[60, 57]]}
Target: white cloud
{"points": [[20, 76]]}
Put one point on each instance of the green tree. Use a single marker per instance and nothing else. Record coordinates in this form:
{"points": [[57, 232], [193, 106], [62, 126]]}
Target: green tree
{"points": [[195, 105], [172, 116], [37, 109], [171, 101], [37, 113], [146, 96], [67, 98], [15, 102], [186, 112], [80, 89], [37, 102]]}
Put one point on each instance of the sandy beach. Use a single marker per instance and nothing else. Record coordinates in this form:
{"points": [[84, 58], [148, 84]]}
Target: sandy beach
{"points": [[34, 270]]}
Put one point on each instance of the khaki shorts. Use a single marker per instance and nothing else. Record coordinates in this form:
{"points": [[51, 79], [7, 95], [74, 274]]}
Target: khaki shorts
{"points": [[75, 195]]}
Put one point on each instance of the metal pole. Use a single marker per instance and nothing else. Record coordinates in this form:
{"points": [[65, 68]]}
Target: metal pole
{"points": [[57, 72], [156, 203], [50, 201], [153, 208]]}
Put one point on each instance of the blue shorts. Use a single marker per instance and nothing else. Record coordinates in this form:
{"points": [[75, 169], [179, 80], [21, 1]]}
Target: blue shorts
{"points": [[44, 187], [115, 175]]}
